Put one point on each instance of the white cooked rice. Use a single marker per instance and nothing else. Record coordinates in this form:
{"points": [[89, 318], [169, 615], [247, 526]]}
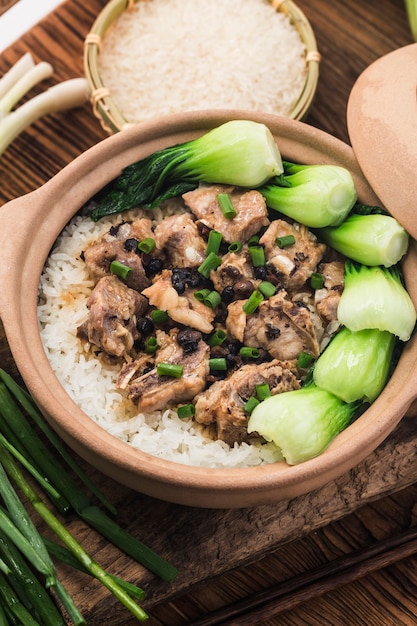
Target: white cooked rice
{"points": [[63, 293], [164, 57]]}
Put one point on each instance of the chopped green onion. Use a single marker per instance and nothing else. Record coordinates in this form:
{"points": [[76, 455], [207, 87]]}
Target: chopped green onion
{"points": [[235, 246], [250, 405], [169, 369], [266, 288], [212, 262], [217, 338], [249, 353], [201, 294], [146, 245], [151, 345], [262, 391], [253, 302], [316, 280], [226, 205], [213, 299], [285, 241], [257, 255], [120, 270], [186, 410], [304, 360], [159, 317], [218, 363], [214, 241]]}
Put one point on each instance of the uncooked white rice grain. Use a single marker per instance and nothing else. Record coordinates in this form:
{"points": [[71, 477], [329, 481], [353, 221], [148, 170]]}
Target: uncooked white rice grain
{"points": [[165, 57]]}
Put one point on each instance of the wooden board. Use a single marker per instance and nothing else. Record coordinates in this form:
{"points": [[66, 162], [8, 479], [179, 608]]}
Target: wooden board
{"points": [[206, 543]]}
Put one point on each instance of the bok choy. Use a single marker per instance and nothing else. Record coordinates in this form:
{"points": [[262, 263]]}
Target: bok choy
{"points": [[302, 423], [239, 152], [373, 239], [314, 195], [375, 297], [355, 365]]}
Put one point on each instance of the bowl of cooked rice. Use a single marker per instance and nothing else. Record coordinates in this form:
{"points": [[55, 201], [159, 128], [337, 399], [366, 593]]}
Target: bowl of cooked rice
{"points": [[136, 434], [147, 58]]}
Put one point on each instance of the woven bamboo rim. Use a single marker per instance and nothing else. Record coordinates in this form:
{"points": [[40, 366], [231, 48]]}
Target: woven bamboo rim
{"points": [[112, 119]]}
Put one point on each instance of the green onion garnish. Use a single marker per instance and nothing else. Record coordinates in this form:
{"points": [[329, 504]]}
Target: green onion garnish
{"points": [[257, 255], [146, 245], [304, 360], [218, 363], [266, 288], [250, 353], [213, 299], [253, 302], [262, 391], [169, 369], [226, 205], [217, 338], [316, 280], [235, 246], [214, 241], [201, 294], [253, 240], [186, 410], [151, 345], [159, 317], [120, 270], [212, 262], [286, 240], [250, 404]]}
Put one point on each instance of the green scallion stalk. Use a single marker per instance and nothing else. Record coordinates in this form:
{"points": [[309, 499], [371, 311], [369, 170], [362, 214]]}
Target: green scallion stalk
{"points": [[151, 345], [250, 404], [217, 338], [226, 205], [147, 245], [235, 246], [201, 294], [374, 297], [257, 255], [210, 263], [186, 410], [355, 365], [313, 195], [120, 270], [262, 391], [249, 353], [214, 241], [212, 299], [239, 152], [285, 241], [316, 280], [173, 370], [304, 360], [373, 239], [253, 302], [14, 609], [267, 289], [159, 317], [302, 423], [218, 364]]}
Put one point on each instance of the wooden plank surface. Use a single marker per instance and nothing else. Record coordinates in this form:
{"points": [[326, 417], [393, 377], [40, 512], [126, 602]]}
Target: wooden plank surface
{"points": [[206, 543]]}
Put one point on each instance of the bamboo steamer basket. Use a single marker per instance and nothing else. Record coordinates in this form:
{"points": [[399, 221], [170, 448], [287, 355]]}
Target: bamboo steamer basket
{"points": [[112, 118]]}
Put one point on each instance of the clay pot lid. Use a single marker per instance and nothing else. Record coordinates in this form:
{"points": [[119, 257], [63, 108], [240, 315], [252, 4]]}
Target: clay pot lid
{"points": [[382, 125]]}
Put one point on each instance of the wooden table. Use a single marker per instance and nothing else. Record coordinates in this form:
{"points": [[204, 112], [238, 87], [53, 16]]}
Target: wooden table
{"points": [[224, 555]]}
